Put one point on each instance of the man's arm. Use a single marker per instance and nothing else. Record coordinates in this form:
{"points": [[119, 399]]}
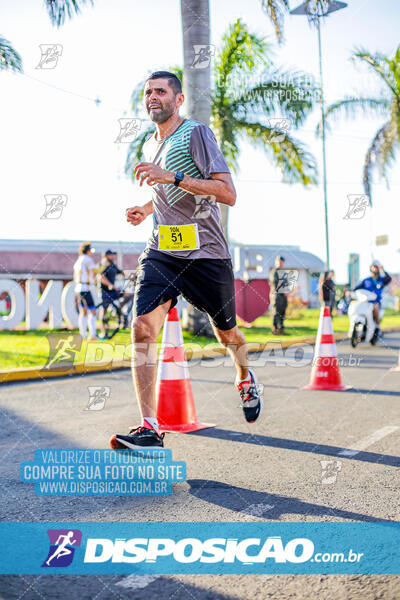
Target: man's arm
{"points": [[386, 278], [106, 282], [220, 185], [215, 178], [360, 286], [137, 214]]}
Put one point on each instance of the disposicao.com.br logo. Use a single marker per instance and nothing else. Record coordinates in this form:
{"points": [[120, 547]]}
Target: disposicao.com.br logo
{"points": [[213, 550], [199, 547]]}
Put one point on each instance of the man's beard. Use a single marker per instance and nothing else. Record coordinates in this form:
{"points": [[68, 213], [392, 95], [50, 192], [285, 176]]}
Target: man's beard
{"points": [[160, 116]]}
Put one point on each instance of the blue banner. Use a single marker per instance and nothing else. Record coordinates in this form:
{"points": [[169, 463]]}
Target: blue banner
{"points": [[89, 472], [161, 548]]}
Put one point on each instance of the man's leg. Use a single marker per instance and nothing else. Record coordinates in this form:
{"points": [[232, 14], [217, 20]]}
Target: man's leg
{"points": [[102, 312], [82, 320], [375, 310], [279, 314], [92, 323], [283, 311], [145, 330], [234, 340]]}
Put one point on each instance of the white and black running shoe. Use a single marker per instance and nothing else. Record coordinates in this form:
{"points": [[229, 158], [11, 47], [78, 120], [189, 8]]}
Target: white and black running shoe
{"points": [[252, 402], [138, 438]]}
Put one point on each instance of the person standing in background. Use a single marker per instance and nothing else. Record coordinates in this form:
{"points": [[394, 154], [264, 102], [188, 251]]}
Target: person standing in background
{"points": [[84, 277], [327, 289], [278, 298]]}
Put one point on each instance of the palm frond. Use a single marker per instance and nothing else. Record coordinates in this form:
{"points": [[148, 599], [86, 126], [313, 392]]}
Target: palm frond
{"points": [[9, 58], [378, 63], [296, 164], [241, 52], [135, 150], [394, 67], [380, 154], [276, 10], [60, 10], [223, 126], [350, 107]]}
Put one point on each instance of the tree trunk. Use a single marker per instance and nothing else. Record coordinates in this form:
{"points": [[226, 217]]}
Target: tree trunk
{"points": [[196, 74], [197, 90]]}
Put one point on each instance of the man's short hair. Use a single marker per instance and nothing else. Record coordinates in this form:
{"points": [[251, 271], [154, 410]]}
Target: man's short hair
{"points": [[173, 81], [84, 247]]}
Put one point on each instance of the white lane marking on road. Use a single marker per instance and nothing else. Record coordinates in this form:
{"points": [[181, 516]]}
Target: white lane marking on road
{"points": [[137, 582], [368, 441]]}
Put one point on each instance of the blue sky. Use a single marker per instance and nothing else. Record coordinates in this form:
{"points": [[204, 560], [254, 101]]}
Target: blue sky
{"points": [[57, 142]]}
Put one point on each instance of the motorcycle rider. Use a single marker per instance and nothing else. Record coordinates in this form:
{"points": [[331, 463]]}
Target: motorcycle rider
{"points": [[379, 279]]}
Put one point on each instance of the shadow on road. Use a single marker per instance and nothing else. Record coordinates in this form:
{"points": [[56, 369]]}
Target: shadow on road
{"points": [[373, 391], [264, 505], [274, 442], [87, 587]]}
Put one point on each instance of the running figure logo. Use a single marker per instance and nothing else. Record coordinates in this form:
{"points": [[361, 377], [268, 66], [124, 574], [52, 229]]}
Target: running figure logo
{"points": [[202, 56], [62, 547], [50, 55], [55, 204], [279, 128], [358, 204], [63, 350], [97, 397], [129, 128], [203, 206], [329, 471], [286, 281]]}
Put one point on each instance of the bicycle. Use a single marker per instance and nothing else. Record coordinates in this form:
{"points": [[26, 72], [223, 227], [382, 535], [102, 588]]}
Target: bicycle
{"points": [[115, 314]]}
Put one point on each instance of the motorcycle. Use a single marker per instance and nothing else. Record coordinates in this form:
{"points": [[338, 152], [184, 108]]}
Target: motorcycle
{"points": [[362, 326]]}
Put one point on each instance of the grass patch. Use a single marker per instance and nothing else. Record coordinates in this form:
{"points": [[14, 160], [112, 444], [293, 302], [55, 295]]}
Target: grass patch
{"points": [[20, 349]]}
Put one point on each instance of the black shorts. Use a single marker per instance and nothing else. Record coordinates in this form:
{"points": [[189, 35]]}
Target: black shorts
{"points": [[207, 283], [86, 300], [108, 297]]}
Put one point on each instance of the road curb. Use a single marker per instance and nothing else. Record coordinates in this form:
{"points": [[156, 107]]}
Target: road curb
{"points": [[34, 373]]}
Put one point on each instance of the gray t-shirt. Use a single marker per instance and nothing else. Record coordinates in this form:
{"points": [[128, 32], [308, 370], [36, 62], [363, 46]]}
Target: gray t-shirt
{"points": [[193, 149]]}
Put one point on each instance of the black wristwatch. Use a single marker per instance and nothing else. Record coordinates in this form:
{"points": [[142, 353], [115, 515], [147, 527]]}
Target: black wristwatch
{"points": [[178, 178]]}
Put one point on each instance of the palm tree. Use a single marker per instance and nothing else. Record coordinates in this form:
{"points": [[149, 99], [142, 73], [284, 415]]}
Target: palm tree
{"points": [[247, 92], [9, 58], [382, 149], [58, 11], [276, 10]]}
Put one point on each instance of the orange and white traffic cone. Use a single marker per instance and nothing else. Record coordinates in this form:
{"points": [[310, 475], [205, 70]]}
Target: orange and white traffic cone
{"points": [[325, 373], [175, 404]]}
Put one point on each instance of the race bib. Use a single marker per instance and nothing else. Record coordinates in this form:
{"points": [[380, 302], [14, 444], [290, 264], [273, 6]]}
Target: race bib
{"points": [[178, 237]]}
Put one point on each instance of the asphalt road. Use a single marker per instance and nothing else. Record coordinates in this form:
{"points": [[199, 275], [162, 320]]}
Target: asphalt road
{"points": [[267, 471]]}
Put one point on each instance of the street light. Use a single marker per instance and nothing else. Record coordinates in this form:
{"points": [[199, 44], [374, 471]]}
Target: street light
{"points": [[315, 9]]}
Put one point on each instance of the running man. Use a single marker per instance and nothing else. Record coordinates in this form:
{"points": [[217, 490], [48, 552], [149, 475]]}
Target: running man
{"points": [[84, 277], [62, 549], [185, 254]]}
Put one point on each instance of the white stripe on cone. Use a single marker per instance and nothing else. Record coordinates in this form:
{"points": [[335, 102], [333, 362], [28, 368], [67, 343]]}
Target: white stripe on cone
{"points": [[324, 328], [172, 334], [327, 350], [172, 370], [172, 338], [327, 326]]}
